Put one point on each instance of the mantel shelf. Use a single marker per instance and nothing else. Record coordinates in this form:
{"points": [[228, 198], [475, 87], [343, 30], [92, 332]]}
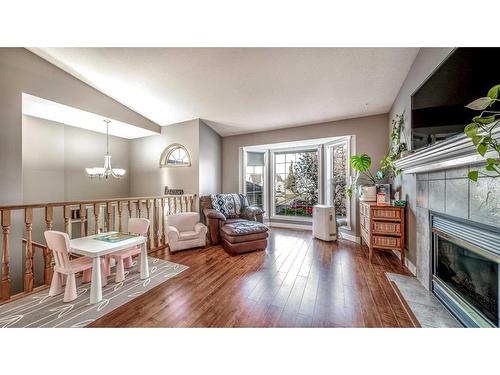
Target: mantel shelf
{"points": [[454, 152]]}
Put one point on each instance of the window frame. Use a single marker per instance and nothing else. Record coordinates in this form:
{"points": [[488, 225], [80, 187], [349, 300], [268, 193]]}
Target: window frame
{"points": [[168, 151], [243, 175], [328, 188], [273, 152]]}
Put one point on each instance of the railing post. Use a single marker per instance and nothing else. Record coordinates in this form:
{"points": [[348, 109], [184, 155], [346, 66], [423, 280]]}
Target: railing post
{"points": [[66, 213], [148, 214], [175, 205], [97, 209], [120, 209], [162, 211], [156, 218], [47, 253], [109, 211], [28, 272], [130, 207], [83, 220], [5, 219], [138, 208]]}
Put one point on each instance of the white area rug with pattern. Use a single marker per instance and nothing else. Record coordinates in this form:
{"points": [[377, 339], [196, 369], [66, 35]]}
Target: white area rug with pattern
{"points": [[40, 310]]}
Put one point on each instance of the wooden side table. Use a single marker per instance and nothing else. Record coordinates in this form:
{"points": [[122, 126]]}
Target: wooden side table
{"points": [[383, 228]]}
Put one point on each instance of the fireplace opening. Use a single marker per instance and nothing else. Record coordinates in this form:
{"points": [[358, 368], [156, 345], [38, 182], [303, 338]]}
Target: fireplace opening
{"points": [[465, 270]]}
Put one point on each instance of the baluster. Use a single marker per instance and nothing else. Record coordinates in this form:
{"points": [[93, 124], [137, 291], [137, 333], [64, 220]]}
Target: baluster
{"points": [[191, 201], [175, 205], [83, 220], [5, 256], [155, 218], [66, 213], [139, 208], [97, 209], [28, 272], [109, 221], [129, 207], [120, 207], [148, 211], [47, 253], [163, 216]]}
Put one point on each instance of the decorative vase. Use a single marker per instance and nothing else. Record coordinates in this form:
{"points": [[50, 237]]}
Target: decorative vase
{"points": [[368, 194]]}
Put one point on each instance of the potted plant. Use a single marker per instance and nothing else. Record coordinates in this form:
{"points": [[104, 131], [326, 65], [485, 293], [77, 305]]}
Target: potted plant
{"points": [[364, 181], [481, 132]]}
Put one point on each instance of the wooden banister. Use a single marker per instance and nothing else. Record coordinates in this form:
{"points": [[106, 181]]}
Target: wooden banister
{"points": [[155, 208]]}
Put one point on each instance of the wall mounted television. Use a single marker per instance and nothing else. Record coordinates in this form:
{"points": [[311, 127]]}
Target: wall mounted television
{"points": [[438, 106]]}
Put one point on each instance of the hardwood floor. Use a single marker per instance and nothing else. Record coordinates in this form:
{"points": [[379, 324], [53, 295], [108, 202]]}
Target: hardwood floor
{"points": [[298, 282]]}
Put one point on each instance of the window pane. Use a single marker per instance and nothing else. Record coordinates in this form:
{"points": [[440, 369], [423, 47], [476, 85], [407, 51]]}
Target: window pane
{"points": [[254, 178], [339, 180], [296, 190]]}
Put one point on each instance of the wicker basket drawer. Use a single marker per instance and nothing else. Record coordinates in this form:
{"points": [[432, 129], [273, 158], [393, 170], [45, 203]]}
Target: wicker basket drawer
{"points": [[390, 242], [384, 213], [386, 227]]}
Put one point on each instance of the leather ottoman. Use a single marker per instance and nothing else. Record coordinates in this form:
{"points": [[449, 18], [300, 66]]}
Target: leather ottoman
{"points": [[242, 237]]}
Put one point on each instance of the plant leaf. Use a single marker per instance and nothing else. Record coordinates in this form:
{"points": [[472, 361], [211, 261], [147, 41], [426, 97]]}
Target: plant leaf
{"points": [[492, 161], [477, 140], [361, 163], [493, 92], [490, 168], [473, 175], [484, 120], [471, 130], [480, 104], [482, 148]]}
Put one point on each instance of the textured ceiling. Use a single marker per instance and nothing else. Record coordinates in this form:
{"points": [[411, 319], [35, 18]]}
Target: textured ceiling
{"points": [[242, 90]]}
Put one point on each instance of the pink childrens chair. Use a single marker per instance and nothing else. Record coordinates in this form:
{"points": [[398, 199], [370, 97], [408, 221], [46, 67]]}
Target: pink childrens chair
{"points": [[58, 242], [137, 226]]}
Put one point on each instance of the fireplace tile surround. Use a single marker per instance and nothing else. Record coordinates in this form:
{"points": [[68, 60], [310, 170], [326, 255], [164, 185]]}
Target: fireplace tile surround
{"points": [[449, 192]]}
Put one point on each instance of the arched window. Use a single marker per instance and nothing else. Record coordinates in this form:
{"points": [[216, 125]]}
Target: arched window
{"points": [[175, 155]]}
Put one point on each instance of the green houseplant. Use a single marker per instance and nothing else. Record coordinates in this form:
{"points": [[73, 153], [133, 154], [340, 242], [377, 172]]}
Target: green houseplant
{"points": [[480, 131], [362, 164]]}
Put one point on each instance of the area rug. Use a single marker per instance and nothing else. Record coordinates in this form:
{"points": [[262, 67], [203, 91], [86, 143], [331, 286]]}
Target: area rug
{"points": [[40, 310], [425, 307]]}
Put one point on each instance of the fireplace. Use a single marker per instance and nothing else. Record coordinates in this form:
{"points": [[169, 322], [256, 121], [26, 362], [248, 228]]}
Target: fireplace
{"points": [[465, 269]]}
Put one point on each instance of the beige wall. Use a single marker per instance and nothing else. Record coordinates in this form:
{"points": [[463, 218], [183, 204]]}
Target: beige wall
{"points": [[146, 176], [371, 137], [425, 62], [210, 161], [55, 157]]}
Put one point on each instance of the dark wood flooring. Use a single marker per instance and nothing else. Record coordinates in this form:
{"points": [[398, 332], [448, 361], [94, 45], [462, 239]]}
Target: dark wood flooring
{"points": [[298, 282]]}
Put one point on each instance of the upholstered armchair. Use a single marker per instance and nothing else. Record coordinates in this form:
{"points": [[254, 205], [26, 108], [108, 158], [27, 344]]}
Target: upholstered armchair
{"points": [[215, 219], [185, 231]]}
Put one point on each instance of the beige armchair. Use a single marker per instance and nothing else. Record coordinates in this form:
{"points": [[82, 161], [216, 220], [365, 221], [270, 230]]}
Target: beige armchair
{"points": [[185, 231]]}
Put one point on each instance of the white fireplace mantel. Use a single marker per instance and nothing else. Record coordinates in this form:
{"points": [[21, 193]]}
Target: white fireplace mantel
{"points": [[454, 152]]}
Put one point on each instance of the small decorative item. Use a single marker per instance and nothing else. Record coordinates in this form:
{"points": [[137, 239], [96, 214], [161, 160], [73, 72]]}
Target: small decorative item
{"points": [[383, 194], [398, 203], [396, 195], [173, 191]]}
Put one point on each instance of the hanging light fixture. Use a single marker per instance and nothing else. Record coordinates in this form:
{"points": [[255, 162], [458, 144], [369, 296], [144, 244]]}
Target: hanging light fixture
{"points": [[107, 170]]}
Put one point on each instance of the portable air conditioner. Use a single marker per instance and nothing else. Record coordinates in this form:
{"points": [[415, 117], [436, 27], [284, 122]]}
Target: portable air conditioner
{"points": [[324, 223]]}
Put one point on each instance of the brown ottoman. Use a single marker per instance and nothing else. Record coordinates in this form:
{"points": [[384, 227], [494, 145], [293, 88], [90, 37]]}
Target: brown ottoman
{"points": [[242, 237]]}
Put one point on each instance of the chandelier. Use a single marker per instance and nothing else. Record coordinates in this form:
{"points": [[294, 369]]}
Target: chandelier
{"points": [[107, 170]]}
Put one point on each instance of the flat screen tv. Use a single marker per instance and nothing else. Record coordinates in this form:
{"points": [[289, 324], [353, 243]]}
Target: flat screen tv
{"points": [[438, 106]]}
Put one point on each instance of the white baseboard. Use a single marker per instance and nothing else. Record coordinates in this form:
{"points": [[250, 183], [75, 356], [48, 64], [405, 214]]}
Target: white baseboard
{"points": [[411, 267], [289, 226], [349, 237]]}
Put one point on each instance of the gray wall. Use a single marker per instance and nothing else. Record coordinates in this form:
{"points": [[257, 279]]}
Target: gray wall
{"points": [[210, 161], [147, 178], [425, 62], [55, 157], [371, 137]]}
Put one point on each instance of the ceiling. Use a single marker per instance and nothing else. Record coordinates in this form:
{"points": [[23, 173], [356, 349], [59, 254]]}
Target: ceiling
{"points": [[63, 114], [242, 90]]}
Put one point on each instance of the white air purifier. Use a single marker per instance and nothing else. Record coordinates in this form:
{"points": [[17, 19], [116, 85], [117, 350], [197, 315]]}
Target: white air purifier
{"points": [[324, 223]]}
